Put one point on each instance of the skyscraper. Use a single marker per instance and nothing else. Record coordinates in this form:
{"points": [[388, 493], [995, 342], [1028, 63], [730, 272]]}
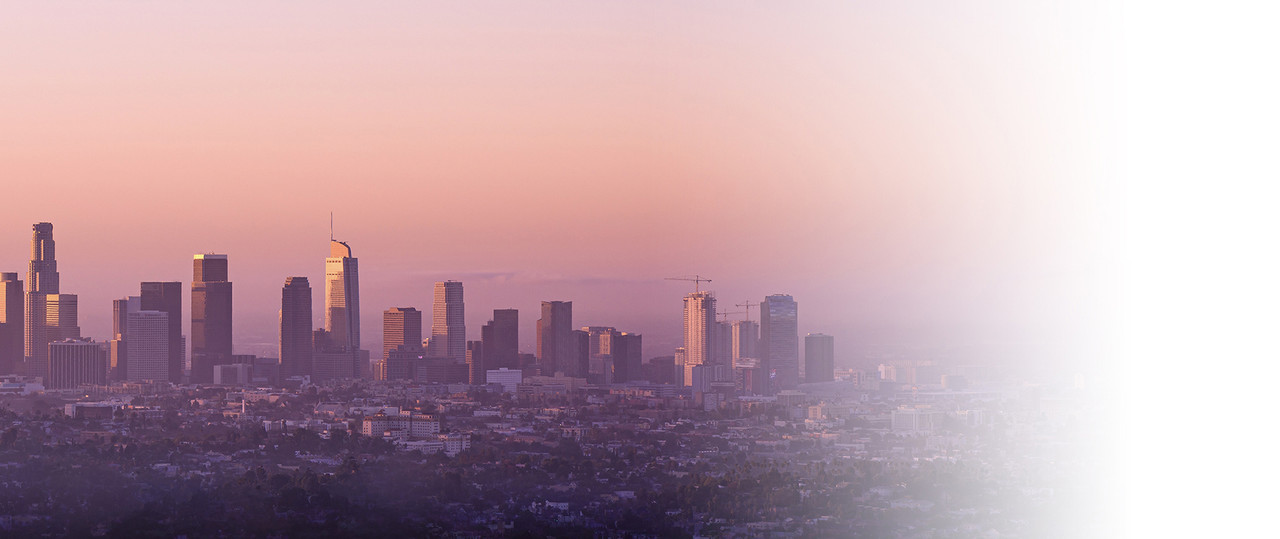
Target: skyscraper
{"points": [[557, 347], [578, 365], [699, 331], [779, 347], [448, 323], [600, 351], [12, 323], [745, 339], [149, 338], [401, 327], [342, 297], [501, 340], [624, 349], [118, 352], [819, 358], [210, 316], [165, 297], [475, 362], [42, 280], [722, 343], [295, 327], [62, 317]]}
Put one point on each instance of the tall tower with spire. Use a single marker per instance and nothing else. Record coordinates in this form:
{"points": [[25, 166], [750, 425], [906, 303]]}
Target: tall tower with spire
{"points": [[342, 297]]}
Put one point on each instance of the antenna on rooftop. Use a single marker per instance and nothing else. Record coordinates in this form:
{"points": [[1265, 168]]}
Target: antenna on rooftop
{"points": [[330, 226]]}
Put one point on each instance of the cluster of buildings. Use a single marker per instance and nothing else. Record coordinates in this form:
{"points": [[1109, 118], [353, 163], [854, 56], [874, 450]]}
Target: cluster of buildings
{"points": [[40, 338]]}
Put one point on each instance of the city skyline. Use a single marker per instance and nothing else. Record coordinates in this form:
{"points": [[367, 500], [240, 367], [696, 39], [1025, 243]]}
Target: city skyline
{"points": [[795, 151], [334, 267], [858, 268]]}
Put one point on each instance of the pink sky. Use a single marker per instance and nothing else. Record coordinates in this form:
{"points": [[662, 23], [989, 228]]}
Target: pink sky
{"points": [[921, 173]]}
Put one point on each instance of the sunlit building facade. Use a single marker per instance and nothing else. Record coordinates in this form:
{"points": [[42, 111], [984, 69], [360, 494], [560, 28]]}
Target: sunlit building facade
{"points": [[699, 331], [342, 297], [448, 322], [779, 347]]}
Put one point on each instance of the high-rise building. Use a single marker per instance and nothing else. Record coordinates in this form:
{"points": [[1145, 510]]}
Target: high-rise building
{"points": [[42, 280], [73, 362], [744, 340], [12, 323], [448, 323], [295, 327], [120, 309], [340, 365], [62, 315], [403, 362], [149, 338], [557, 347], [624, 350], [722, 343], [342, 297], [342, 314], [699, 331], [501, 340], [118, 351], [475, 363], [578, 365], [401, 326], [210, 316], [779, 347], [819, 358], [600, 352], [166, 297]]}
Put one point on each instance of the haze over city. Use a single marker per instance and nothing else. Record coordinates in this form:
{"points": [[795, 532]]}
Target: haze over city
{"points": [[907, 179], [642, 269]]}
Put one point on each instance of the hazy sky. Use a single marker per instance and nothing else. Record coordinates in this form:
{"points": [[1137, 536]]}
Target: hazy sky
{"points": [[909, 172]]}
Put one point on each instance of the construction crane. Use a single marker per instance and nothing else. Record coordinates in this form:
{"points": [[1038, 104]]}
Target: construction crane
{"points": [[726, 314], [748, 305], [697, 280]]}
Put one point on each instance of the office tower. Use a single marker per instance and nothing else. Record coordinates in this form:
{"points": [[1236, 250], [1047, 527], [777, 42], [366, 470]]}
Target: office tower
{"points": [[342, 297], [682, 377], [339, 365], [699, 325], [42, 280], [744, 340], [600, 351], [295, 327], [779, 347], [722, 344], [578, 364], [166, 297], [624, 349], [320, 341], [149, 339], [117, 346], [448, 325], [556, 344], [120, 309], [501, 340], [401, 326], [660, 370], [61, 316], [475, 363], [210, 316], [819, 358], [73, 362], [403, 362], [12, 323], [441, 371]]}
